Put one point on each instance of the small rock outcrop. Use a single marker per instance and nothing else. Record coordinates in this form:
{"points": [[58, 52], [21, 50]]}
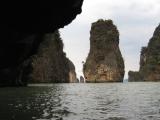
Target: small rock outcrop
{"points": [[49, 64], [104, 62], [149, 60], [82, 79]]}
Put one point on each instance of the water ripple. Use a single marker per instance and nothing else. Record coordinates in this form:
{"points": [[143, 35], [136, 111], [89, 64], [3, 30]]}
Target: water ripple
{"points": [[117, 101]]}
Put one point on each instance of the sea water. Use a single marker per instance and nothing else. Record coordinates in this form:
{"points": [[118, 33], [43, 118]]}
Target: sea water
{"points": [[99, 101]]}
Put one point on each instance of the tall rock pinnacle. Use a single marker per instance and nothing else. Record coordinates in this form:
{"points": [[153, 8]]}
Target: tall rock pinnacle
{"points": [[104, 62]]}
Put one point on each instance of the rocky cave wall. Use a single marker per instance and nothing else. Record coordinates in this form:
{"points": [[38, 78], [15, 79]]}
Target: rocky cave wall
{"points": [[23, 25]]}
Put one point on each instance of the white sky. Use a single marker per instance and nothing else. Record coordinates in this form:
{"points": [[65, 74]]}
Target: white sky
{"points": [[136, 21]]}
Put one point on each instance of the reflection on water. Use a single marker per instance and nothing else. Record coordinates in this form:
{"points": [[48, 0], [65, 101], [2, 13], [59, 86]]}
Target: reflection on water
{"points": [[109, 101]]}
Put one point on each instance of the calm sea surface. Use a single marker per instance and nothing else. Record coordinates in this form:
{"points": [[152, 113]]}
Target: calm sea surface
{"points": [[107, 101]]}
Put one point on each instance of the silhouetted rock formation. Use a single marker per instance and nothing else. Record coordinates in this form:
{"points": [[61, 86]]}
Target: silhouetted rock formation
{"points": [[42, 17], [49, 64], [150, 60], [104, 62], [82, 79], [77, 80], [23, 25]]}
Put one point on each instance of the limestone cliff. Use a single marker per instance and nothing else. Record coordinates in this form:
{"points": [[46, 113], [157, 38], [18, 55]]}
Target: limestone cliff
{"points": [[104, 62], [150, 59], [134, 76], [72, 73], [49, 64], [23, 25], [150, 70]]}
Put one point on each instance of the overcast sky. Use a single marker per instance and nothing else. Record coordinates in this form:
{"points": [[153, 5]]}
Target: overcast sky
{"points": [[136, 21]]}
